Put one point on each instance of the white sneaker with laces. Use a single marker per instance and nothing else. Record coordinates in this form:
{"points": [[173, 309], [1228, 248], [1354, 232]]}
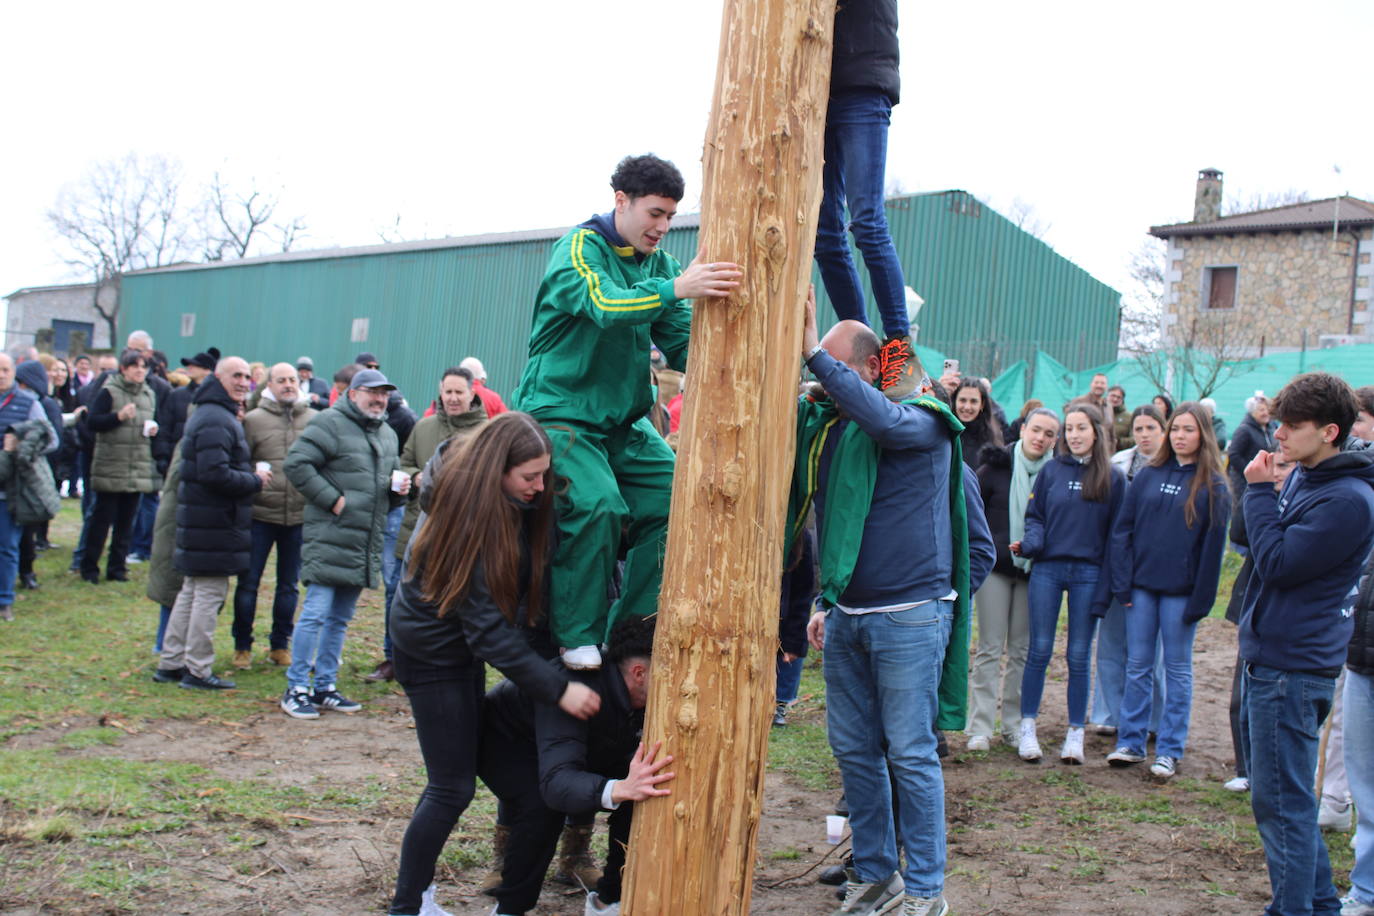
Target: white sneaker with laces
{"points": [[1333, 816], [582, 658], [428, 907], [924, 906], [1164, 766], [595, 907], [1072, 752], [1027, 746], [1237, 784], [1352, 907], [979, 743]]}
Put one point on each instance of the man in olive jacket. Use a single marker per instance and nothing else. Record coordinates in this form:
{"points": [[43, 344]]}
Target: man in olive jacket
{"points": [[342, 464], [278, 516]]}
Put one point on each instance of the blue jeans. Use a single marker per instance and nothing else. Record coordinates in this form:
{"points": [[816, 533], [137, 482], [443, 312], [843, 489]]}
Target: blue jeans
{"points": [[1049, 580], [141, 542], [391, 571], [1152, 619], [83, 471], [1359, 770], [882, 673], [1110, 682], [164, 614], [789, 678], [287, 539], [855, 168], [320, 633], [1284, 711], [9, 553]]}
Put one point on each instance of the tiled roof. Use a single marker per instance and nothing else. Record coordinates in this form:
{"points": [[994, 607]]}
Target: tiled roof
{"points": [[1316, 214]]}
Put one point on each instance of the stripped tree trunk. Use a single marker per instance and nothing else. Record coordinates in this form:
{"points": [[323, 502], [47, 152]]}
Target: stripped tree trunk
{"points": [[712, 692]]}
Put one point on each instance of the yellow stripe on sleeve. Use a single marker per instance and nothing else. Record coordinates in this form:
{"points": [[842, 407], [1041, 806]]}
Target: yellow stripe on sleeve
{"points": [[593, 282]]}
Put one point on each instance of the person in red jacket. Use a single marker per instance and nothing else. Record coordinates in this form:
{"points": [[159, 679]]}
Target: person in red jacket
{"points": [[490, 399]]}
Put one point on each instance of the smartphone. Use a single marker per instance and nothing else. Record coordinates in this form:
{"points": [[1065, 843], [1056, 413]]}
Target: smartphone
{"points": [[951, 365]]}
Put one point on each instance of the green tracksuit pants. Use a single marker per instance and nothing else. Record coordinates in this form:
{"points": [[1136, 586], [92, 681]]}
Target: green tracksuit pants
{"points": [[619, 486]]}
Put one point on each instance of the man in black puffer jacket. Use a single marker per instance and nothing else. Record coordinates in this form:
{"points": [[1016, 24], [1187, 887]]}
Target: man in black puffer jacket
{"points": [[214, 520]]}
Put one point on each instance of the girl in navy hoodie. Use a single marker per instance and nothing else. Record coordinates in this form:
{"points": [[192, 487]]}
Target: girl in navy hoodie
{"points": [[1166, 559], [1068, 522]]}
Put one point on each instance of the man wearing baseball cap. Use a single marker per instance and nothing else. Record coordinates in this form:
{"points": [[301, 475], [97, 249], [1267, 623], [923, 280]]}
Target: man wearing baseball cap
{"points": [[342, 464], [314, 391]]}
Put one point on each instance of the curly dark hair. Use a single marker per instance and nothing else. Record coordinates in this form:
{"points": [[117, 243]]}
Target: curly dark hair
{"points": [[632, 637], [1320, 397], [640, 176]]}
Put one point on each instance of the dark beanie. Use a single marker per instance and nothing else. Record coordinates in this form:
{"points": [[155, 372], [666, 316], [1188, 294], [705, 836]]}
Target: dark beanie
{"points": [[32, 373]]}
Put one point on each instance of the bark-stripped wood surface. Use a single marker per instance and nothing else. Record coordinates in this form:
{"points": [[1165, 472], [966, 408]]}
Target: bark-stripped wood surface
{"points": [[712, 692]]}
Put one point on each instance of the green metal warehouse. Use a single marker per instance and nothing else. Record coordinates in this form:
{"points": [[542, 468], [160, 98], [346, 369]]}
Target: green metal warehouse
{"points": [[994, 295]]}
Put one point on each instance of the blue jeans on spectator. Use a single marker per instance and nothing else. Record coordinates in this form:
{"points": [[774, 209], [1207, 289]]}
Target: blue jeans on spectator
{"points": [[164, 614], [1153, 619], [882, 674], [83, 472], [319, 636], [1284, 711], [287, 539], [789, 678], [391, 571], [1359, 769], [855, 168], [141, 540], [1049, 580], [10, 532], [1110, 682]]}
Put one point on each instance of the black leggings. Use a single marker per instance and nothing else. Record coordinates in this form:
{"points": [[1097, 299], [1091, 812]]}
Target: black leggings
{"points": [[446, 703]]}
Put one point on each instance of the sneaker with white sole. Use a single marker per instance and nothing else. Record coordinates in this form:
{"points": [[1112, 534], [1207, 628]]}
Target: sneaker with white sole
{"points": [[328, 697], [1164, 766], [924, 906], [870, 899], [296, 704], [595, 907], [1105, 730], [1072, 751], [1124, 757], [1237, 784], [1333, 816], [427, 905], [1352, 907], [979, 743], [1026, 744], [582, 658]]}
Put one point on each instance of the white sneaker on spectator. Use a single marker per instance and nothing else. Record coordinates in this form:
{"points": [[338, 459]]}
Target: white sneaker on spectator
{"points": [[1072, 752], [1237, 784], [582, 658], [979, 743], [595, 907], [428, 907], [924, 906], [1027, 745], [1352, 907], [1333, 815]]}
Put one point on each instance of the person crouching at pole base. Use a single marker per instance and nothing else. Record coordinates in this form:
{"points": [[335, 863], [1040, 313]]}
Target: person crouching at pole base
{"points": [[608, 292], [887, 481]]}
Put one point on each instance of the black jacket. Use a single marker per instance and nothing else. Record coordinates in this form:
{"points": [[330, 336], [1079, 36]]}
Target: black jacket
{"points": [[85, 397], [1249, 439], [215, 498], [171, 416], [1360, 656], [799, 591], [576, 756], [400, 418], [994, 480], [866, 55]]}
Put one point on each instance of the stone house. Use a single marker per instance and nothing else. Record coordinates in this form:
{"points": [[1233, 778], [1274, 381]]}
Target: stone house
{"points": [[35, 310], [1283, 278]]}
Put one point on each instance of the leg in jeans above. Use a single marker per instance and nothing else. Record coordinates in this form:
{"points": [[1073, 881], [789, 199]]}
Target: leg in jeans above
{"points": [[1358, 701], [246, 592], [9, 553], [319, 636], [992, 607], [855, 170], [1050, 579], [1284, 712], [289, 540], [391, 571], [1154, 621]]}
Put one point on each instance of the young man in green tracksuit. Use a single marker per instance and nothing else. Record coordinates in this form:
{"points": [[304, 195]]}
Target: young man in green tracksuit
{"points": [[607, 293]]}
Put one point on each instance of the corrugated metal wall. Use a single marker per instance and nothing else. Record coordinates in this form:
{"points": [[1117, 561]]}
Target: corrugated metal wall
{"points": [[994, 295]]}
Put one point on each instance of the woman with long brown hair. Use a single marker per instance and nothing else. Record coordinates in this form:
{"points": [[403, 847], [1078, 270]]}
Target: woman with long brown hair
{"points": [[1166, 560], [475, 582]]}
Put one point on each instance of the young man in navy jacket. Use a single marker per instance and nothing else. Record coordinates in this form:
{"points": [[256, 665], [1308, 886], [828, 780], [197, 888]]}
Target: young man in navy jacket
{"points": [[1308, 542]]}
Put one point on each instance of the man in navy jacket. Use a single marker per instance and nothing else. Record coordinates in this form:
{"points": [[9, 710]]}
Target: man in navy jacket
{"points": [[1308, 542]]}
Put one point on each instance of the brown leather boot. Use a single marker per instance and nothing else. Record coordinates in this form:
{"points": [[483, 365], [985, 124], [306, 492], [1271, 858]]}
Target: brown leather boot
{"points": [[498, 859], [575, 864], [383, 672]]}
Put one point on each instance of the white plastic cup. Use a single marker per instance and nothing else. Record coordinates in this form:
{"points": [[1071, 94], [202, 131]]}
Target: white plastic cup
{"points": [[149, 428], [398, 479], [834, 829], [263, 467]]}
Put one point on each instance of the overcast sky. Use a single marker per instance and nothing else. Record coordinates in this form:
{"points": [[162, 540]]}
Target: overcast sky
{"points": [[471, 117]]}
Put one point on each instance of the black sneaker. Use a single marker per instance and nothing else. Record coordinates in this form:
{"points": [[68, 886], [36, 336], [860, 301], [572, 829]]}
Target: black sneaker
{"points": [[780, 714], [212, 682], [168, 675], [329, 698], [296, 704]]}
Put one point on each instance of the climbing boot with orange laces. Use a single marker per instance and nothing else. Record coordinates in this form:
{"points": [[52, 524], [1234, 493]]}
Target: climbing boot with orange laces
{"points": [[901, 370]]}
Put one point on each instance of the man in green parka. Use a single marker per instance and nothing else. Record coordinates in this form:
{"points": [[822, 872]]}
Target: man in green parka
{"points": [[607, 293]]}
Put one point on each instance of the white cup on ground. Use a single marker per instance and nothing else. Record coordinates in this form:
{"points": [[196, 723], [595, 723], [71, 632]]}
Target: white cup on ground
{"points": [[398, 479], [262, 466], [834, 829]]}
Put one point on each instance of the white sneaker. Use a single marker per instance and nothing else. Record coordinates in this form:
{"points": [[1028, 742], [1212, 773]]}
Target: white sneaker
{"points": [[428, 907], [1333, 816], [1164, 766], [1027, 747], [595, 907], [1104, 730], [1124, 757], [582, 658], [979, 743], [1352, 907], [1237, 784], [1072, 752], [924, 906]]}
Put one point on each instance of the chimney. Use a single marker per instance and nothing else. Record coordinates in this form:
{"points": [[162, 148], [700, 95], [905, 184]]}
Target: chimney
{"points": [[1207, 204]]}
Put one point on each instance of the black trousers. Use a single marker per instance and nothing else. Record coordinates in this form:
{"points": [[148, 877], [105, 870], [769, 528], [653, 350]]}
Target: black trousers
{"points": [[113, 516], [446, 703]]}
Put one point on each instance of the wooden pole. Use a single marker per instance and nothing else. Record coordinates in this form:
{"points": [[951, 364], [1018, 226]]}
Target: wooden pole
{"points": [[712, 691]]}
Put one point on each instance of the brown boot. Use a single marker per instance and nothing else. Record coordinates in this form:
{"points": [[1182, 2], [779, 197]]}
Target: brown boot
{"points": [[498, 859], [383, 672], [575, 864], [280, 657]]}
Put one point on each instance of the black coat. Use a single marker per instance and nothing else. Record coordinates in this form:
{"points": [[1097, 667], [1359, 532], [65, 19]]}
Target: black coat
{"points": [[866, 54], [994, 480], [400, 418], [215, 498], [1249, 440], [171, 415], [1360, 656]]}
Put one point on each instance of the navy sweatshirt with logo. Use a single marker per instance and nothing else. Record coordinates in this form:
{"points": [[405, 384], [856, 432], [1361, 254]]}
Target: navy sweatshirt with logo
{"points": [[1308, 543], [1062, 525], [1154, 548]]}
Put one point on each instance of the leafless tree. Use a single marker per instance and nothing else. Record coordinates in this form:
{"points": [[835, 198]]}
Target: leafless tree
{"points": [[124, 214], [1024, 215], [1249, 203], [1142, 305], [1198, 361], [237, 222]]}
